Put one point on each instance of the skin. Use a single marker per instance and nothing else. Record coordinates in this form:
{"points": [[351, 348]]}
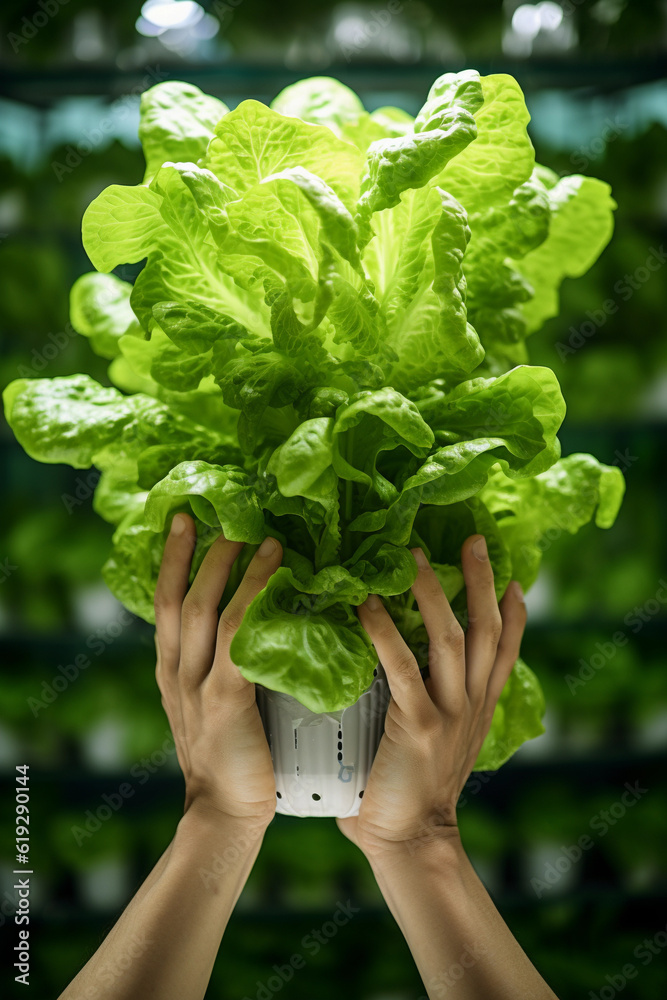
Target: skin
{"points": [[406, 825]]}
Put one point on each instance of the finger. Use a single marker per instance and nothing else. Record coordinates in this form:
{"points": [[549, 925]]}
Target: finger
{"points": [[171, 587], [199, 622], [446, 648], [513, 612], [405, 681], [484, 621], [263, 565]]}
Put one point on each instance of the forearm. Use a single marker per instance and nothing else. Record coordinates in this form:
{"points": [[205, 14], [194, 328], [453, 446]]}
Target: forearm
{"points": [[165, 943], [455, 934]]}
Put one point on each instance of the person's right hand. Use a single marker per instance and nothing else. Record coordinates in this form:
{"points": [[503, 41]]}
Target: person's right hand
{"points": [[220, 740], [434, 729]]}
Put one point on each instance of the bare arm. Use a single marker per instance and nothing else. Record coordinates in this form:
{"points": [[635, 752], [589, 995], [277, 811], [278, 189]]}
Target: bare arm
{"points": [[165, 942], [407, 821]]}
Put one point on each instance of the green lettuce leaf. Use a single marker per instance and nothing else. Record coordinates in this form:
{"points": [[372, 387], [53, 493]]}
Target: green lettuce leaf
{"points": [[220, 497], [176, 123], [574, 491], [580, 228], [320, 100], [517, 718], [511, 420], [327, 342], [487, 171], [252, 142], [323, 658], [99, 309], [169, 224], [397, 164]]}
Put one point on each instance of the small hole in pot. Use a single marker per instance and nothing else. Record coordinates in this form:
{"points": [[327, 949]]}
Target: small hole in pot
{"points": [[316, 796], [340, 745], [279, 795], [361, 794], [340, 735], [340, 756], [375, 672]]}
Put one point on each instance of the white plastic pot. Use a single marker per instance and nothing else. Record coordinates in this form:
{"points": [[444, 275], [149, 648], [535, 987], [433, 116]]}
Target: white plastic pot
{"points": [[322, 761]]}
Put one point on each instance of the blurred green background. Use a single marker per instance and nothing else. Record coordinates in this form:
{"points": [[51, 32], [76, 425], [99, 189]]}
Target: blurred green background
{"points": [[593, 73]]}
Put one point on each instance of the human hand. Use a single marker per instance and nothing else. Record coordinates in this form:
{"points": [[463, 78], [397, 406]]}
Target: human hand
{"points": [[434, 729], [220, 741]]}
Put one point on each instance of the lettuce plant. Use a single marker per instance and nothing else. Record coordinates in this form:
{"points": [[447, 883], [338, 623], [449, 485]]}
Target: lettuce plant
{"points": [[327, 343]]}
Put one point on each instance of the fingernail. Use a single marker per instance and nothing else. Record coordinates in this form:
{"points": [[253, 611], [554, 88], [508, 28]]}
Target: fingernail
{"points": [[479, 549], [420, 558], [268, 546], [373, 602], [518, 591], [178, 525]]}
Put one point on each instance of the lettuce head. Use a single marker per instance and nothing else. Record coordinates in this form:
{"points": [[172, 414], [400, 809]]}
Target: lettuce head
{"points": [[328, 342]]}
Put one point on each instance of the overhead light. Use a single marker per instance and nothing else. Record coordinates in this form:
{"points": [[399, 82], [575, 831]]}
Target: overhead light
{"points": [[526, 20], [165, 14], [551, 15], [147, 28], [208, 27]]}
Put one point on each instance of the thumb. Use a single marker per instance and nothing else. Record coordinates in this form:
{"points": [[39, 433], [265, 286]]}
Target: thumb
{"points": [[348, 827]]}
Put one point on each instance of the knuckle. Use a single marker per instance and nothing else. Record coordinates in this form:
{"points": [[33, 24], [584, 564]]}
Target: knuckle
{"points": [[454, 706], [230, 621], [488, 626], [405, 665], [450, 638], [194, 609], [164, 606], [429, 723], [255, 579]]}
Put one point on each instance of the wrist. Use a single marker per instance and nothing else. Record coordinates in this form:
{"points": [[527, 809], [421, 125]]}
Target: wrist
{"points": [[433, 846], [207, 820]]}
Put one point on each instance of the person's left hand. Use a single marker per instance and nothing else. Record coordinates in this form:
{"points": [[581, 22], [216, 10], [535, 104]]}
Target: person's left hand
{"points": [[220, 740], [434, 730]]}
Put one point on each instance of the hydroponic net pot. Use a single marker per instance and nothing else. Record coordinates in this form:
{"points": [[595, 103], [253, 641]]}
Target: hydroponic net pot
{"points": [[322, 761]]}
